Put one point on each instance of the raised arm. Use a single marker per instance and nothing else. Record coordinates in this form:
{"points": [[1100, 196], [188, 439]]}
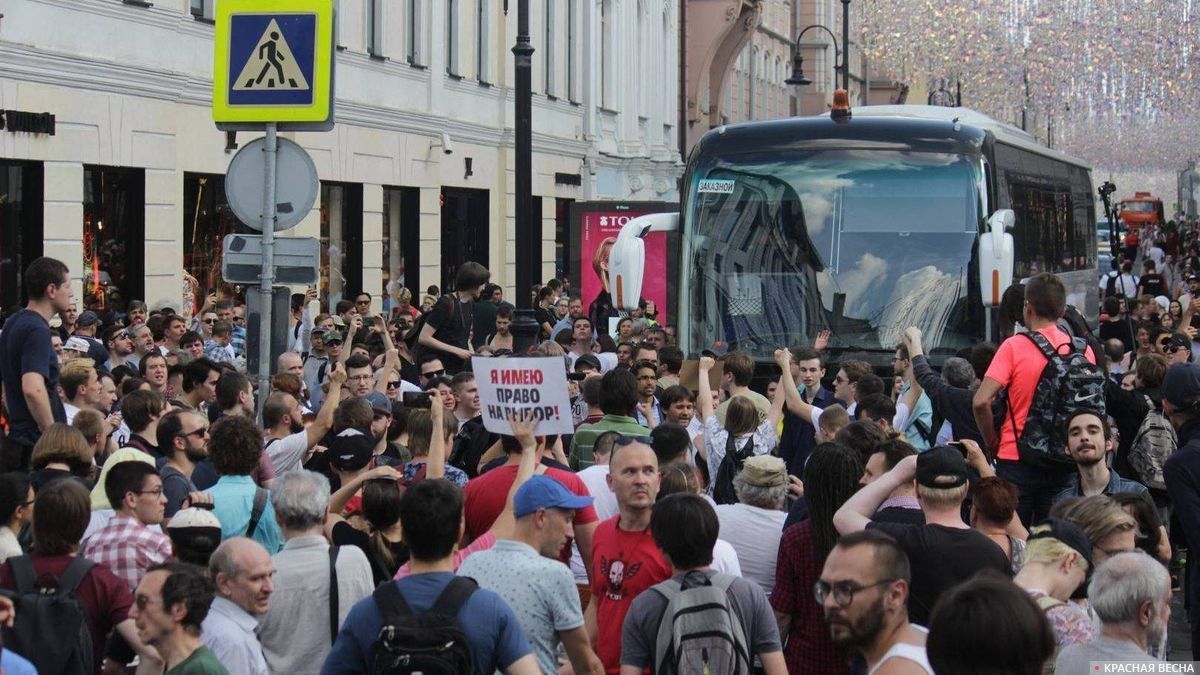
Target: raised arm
{"points": [[791, 393], [856, 513], [324, 420], [355, 325], [391, 363], [704, 397], [777, 404], [523, 429], [435, 466]]}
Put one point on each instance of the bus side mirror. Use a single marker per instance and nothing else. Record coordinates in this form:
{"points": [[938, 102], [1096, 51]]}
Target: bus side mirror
{"points": [[996, 257], [627, 260]]}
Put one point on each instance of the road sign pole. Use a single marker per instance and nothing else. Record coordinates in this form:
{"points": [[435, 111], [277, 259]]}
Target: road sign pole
{"points": [[267, 279]]}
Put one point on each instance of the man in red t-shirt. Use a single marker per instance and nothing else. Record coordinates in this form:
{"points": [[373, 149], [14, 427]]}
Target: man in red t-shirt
{"points": [[1018, 366], [487, 494], [624, 561]]}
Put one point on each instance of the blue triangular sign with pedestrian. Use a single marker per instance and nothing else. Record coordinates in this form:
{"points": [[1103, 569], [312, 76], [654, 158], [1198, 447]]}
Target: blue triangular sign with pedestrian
{"points": [[272, 66]]}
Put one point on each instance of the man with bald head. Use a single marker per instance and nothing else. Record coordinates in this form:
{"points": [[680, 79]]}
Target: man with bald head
{"points": [[241, 569]]}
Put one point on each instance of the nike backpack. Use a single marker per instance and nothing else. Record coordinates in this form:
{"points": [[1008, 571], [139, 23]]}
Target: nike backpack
{"points": [[1069, 382]]}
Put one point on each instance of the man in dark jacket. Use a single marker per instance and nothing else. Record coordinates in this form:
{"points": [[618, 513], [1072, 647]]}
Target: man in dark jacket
{"points": [[1181, 404], [1129, 408], [951, 396]]}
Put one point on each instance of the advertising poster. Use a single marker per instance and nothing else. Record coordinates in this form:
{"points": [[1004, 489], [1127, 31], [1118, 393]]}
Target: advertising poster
{"points": [[597, 225]]}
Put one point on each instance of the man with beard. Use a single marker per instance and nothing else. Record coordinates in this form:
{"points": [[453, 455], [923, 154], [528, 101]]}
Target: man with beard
{"points": [[183, 436], [143, 344], [1089, 440], [863, 590], [288, 442], [1131, 594], [119, 345], [649, 412]]}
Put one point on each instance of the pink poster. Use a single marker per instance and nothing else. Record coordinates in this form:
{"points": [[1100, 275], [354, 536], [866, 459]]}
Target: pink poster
{"points": [[599, 228]]}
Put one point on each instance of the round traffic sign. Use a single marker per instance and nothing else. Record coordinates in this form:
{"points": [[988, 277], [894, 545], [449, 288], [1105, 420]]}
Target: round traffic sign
{"points": [[296, 184]]}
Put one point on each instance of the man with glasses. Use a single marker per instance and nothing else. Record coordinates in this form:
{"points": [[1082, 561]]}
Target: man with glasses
{"points": [[649, 411], [169, 605], [1178, 349], [119, 345], [863, 590], [126, 544], [945, 551], [430, 370], [360, 378], [183, 437], [362, 303]]}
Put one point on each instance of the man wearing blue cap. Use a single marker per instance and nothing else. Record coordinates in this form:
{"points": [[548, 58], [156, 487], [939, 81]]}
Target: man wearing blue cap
{"points": [[525, 571]]}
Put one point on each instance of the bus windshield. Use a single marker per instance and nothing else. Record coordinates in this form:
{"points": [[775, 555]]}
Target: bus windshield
{"points": [[779, 246]]}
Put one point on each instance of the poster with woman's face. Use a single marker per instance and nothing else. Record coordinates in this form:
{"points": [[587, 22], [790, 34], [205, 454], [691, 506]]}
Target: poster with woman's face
{"points": [[598, 233]]}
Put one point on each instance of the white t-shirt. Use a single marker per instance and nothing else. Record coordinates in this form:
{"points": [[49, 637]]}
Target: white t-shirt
{"points": [[595, 477], [725, 559], [288, 452], [754, 534]]}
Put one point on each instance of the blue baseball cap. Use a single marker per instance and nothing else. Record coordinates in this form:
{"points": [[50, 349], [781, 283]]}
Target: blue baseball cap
{"points": [[543, 492]]}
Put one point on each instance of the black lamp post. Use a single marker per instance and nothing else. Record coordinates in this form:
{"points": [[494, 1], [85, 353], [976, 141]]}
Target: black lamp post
{"points": [[798, 77], [842, 63], [528, 246]]}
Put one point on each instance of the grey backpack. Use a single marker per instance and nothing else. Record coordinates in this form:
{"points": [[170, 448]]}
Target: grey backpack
{"points": [[701, 628], [1154, 443]]}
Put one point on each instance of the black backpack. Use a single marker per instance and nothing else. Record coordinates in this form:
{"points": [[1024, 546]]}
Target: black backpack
{"points": [[51, 628], [731, 465], [1068, 383], [432, 643]]}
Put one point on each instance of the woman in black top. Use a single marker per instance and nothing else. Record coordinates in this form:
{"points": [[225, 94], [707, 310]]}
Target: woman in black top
{"points": [[382, 489]]}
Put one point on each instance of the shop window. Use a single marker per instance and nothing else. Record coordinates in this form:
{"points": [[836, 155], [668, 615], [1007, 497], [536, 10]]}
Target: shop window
{"points": [[20, 226], [401, 243], [207, 218], [341, 242], [465, 227], [114, 236]]}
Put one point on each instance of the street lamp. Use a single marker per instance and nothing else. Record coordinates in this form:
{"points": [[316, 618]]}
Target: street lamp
{"points": [[528, 248], [840, 62]]}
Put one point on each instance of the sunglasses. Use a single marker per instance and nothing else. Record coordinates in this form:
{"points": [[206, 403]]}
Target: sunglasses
{"points": [[199, 433], [393, 385], [434, 373], [208, 321]]}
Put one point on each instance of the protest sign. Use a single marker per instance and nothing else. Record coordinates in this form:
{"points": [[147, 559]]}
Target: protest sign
{"points": [[510, 386]]}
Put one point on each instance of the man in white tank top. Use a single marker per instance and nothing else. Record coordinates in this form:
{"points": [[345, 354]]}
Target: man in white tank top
{"points": [[863, 589]]}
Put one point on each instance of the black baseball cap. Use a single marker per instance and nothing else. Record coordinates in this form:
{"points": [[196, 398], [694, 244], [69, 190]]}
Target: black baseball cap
{"points": [[351, 450], [588, 360], [1068, 533], [942, 467], [1181, 383]]}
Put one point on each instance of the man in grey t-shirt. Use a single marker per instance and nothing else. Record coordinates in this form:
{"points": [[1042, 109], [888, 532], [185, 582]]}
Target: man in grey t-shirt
{"points": [[525, 571], [1131, 593], [685, 529]]}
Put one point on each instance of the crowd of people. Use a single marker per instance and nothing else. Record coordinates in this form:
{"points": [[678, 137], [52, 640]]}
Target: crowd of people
{"points": [[1019, 509]]}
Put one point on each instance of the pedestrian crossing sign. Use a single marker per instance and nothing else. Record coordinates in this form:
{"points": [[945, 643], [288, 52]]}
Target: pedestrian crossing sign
{"points": [[274, 63]]}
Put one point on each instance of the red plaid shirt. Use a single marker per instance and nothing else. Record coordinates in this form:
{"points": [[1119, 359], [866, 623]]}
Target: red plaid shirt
{"points": [[128, 548], [808, 648]]}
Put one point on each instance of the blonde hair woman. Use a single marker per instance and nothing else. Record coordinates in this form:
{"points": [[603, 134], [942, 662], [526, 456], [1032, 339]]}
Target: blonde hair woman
{"points": [[1057, 558]]}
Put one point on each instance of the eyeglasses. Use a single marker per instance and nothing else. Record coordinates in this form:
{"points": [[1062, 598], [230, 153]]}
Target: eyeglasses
{"points": [[362, 302], [843, 591], [630, 440], [393, 385], [157, 492], [434, 373], [199, 433]]}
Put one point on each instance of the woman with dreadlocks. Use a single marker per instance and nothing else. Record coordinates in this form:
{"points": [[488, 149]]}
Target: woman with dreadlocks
{"points": [[831, 476]]}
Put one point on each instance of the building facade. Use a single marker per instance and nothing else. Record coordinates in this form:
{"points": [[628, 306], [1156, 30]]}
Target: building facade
{"points": [[416, 177], [755, 89]]}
